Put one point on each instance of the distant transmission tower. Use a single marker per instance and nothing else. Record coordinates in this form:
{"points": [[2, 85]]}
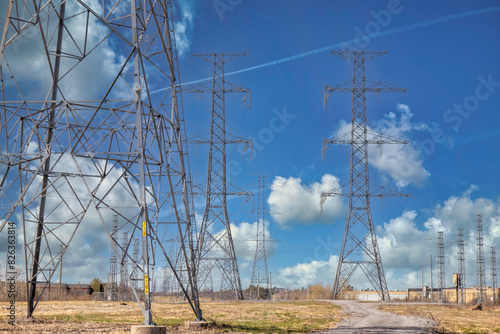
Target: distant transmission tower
{"points": [[481, 277], [359, 245], [135, 255], [123, 268], [260, 275], [86, 134], [461, 266], [112, 284], [441, 272], [215, 242], [494, 274]]}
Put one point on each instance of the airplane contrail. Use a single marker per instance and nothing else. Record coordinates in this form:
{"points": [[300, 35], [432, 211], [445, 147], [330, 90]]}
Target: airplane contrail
{"points": [[350, 42]]}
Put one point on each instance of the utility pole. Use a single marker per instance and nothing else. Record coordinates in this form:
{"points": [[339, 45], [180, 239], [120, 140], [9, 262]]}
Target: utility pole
{"points": [[441, 273], [494, 274], [70, 149], [461, 267], [215, 247], [481, 278], [259, 270], [359, 245]]}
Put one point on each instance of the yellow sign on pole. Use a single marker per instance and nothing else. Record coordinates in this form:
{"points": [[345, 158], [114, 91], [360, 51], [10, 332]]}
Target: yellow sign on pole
{"points": [[146, 284], [143, 229]]}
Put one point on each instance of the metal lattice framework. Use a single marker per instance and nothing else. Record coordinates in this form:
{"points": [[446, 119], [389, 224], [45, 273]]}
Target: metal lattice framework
{"points": [[112, 284], [215, 247], [481, 272], [136, 254], [441, 271], [124, 277], [359, 245], [461, 267], [69, 151], [493, 259], [260, 275]]}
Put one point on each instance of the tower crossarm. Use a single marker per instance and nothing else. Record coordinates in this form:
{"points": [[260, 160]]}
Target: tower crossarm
{"points": [[371, 138], [369, 87], [228, 88], [377, 193]]}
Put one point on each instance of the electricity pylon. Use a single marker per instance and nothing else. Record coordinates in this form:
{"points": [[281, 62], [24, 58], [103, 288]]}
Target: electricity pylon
{"points": [[215, 247], [112, 284], [359, 245], [441, 272], [260, 275], [493, 259], [69, 149], [481, 275], [461, 266]]}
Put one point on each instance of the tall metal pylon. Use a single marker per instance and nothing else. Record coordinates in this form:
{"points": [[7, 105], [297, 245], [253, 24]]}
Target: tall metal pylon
{"points": [[69, 149], [441, 271], [112, 283], [135, 255], [461, 266], [359, 245], [124, 277], [215, 247], [493, 259], [260, 275], [481, 274]]}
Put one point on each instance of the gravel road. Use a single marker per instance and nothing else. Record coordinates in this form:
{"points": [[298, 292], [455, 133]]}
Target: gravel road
{"points": [[367, 319]]}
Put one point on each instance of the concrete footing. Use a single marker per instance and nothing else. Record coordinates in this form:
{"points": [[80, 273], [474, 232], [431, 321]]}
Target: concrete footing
{"points": [[199, 324], [143, 329]]}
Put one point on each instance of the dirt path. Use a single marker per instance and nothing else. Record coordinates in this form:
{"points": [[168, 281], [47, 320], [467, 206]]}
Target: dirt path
{"points": [[367, 319]]}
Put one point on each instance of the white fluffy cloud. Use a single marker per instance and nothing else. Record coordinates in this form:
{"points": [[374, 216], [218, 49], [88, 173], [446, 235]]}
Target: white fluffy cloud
{"points": [[184, 26], [402, 165], [245, 243], [293, 203], [406, 248], [307, 273]]}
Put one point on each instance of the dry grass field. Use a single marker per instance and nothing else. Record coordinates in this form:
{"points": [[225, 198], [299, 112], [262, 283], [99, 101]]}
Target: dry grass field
{"points": [[453, 318], [230, 317]]}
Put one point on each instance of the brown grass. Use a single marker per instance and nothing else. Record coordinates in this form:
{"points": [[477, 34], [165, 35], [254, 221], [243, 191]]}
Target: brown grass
{"points": [[453, 318], [229, 317]]}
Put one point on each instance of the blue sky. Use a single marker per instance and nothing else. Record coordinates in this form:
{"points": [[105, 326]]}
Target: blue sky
{"points": [[440, 63], [445, 53]]}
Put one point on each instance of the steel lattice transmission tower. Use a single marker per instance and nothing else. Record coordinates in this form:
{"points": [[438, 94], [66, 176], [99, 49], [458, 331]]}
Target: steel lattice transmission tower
{"points": [[112, 284], [461, 266], [135, 254], [260, 275], [481, 274], [359, 245], [441, 272], [93, 141], [493, 260], [124, 277], [215, 243]]}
